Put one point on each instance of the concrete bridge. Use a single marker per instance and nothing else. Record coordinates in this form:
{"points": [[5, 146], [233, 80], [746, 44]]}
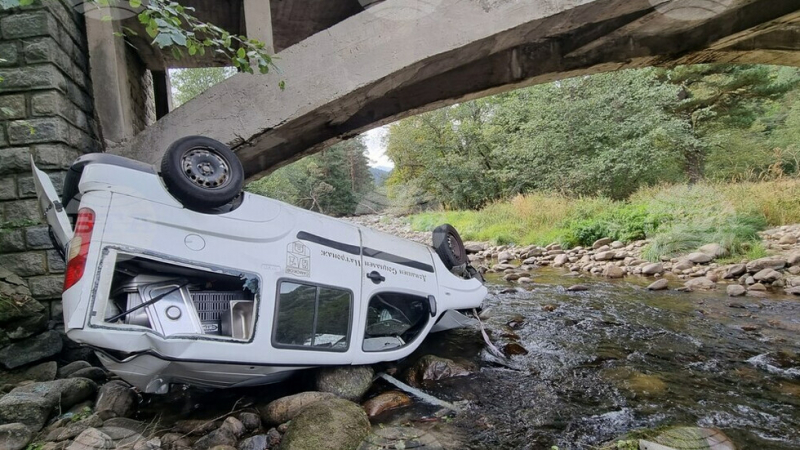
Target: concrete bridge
{"points": [[366, 67]]}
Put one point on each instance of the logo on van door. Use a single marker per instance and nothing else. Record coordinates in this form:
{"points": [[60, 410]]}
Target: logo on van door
{"points": [[298, 259]]}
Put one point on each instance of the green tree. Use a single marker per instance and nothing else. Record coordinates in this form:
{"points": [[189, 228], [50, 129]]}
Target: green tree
{"points": [[331, 182], [189, 83]]}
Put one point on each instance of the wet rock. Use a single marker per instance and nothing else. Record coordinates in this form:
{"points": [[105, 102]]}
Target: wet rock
{"points": [[14, 436], [612, 271], [605, 256], [433, 368], [251, 421], [220, 436], [385, 402], [511, 277], [767, 276], [505, 256], [735, 290], [757, 287], [699, 258], [400, 437], [524, 280], [285, 409], [734, 271], [514, 349], [577, 288], [31, 350], [659, 285], [683, 264], [234, 425], [116, 399], [175, 441], [347, 382], [653, 269], [332, 424], [685, 438], [549, 307], [274, 436], [793, 290], [92, 439], [474, 247], [601, 242], [93, 373], [700, 284], [516, 321], [257, 442], [793, 259], [769, 262]]}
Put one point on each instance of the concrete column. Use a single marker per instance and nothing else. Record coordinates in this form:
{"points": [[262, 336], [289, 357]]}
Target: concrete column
{"points": [[112, 88], [258, 22], [162, 93]]}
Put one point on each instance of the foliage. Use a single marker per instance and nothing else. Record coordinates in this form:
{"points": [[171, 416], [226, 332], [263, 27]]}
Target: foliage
{"points": [[331, 182], [173, 26], [189, 83], [675, 218], [606, 135]]}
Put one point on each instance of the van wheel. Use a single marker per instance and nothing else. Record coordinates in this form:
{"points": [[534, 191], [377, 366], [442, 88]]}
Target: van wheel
{"points": [[202, 173], [449, 246]]}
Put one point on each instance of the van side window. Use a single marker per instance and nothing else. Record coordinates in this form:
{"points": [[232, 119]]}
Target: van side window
{"points": [[313, 317], [394, 320]]}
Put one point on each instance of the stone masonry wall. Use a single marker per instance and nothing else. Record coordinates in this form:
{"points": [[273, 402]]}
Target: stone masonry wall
{"points": [[47, 112]]}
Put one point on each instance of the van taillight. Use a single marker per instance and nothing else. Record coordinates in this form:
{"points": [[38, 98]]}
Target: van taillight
{"points": [[79, 247]]}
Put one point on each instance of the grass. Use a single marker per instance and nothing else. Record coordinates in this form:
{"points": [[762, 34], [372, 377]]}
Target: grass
{"points": [[676, 218]]}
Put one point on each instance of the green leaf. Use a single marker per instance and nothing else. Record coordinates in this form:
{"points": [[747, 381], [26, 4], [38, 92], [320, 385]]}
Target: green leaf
{"points": [[192, 50], [135, 3], [179, 38], [163, 40], [241, 53], [282, 85], [177, 53]]}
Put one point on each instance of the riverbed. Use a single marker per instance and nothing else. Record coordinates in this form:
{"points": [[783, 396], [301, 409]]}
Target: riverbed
{"points": [[617, 358]]}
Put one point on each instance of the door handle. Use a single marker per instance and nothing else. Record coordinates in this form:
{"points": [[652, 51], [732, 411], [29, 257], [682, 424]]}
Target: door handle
{"points": [[376, 277]]}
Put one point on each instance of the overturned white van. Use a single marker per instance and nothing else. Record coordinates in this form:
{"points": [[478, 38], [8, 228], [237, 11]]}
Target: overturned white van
{"points": [[177, 276]]}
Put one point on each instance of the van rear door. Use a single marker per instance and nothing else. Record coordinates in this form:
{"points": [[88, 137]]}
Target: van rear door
{"points": [[52, 209]]}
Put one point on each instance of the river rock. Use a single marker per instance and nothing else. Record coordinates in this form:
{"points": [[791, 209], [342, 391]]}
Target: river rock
{"points": [[40, 372], [31, 350], [433, 368], [793, 259], [505, 256], [14, 436], [512, 277], [385, 402], [601, 242], [757, 287], [735, 290], [578, 288], [116, 399], [251, 421], [347, 382], [65, 393], [793, 290], [513, 348], [220, 436], [148, 444], [69, 369], [659, 285], [401, 437], [92, 439], [788, 239], [700, 284], [612, 271], [332, 424], [653, 269], [699, 258], [286, 408], [769, 262], [474, 247], [685, 438], [257, 442], [605, 256], [560, 260], [683, 264], [713, 250], [767, 276], [735, 271]]}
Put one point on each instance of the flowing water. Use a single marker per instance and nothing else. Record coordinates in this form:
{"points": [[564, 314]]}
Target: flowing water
{"points": [[619, 358]]}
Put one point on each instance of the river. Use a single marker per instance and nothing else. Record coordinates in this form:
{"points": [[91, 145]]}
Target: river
{"points": [[617, 358]]}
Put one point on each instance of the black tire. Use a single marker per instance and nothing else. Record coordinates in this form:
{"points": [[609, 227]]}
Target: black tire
{"points": [[449, 246], [202, 173]]}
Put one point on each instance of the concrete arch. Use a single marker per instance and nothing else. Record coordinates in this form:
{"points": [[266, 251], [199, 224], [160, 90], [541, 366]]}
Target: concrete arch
{"points": [[379, 66]]}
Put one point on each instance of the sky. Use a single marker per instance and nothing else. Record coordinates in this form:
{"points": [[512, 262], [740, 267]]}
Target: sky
{"points": [[376, 149]]}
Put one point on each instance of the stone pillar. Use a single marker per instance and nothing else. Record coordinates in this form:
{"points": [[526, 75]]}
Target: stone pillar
{"points": [[258, 22], [47, 111]]}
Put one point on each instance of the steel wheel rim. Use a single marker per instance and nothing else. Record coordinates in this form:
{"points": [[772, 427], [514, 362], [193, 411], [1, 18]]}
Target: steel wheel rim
{"points": [[205, 169]]}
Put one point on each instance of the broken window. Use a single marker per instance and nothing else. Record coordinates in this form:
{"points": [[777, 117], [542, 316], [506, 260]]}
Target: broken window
{"points": [[313, 317], [394, 320]]}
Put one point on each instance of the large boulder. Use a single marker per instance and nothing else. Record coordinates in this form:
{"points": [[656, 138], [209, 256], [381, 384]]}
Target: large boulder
{"points": [[699, 257], [735, 271], [31, 410], [333, 424], [653, 269], [14, 436], [433, 368], [735, 290], [40, 372], [31, 350], [116, 399], [65, 393], [347, 382], [659, 285], [767, 276], [612, 271], [769, 262], [286, 408]]}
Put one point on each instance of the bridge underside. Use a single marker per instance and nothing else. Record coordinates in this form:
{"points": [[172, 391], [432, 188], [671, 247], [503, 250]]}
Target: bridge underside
{"points": [[399, 59]]}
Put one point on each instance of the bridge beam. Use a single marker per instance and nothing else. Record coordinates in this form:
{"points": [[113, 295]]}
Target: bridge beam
{"points": [[397, 59]]}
